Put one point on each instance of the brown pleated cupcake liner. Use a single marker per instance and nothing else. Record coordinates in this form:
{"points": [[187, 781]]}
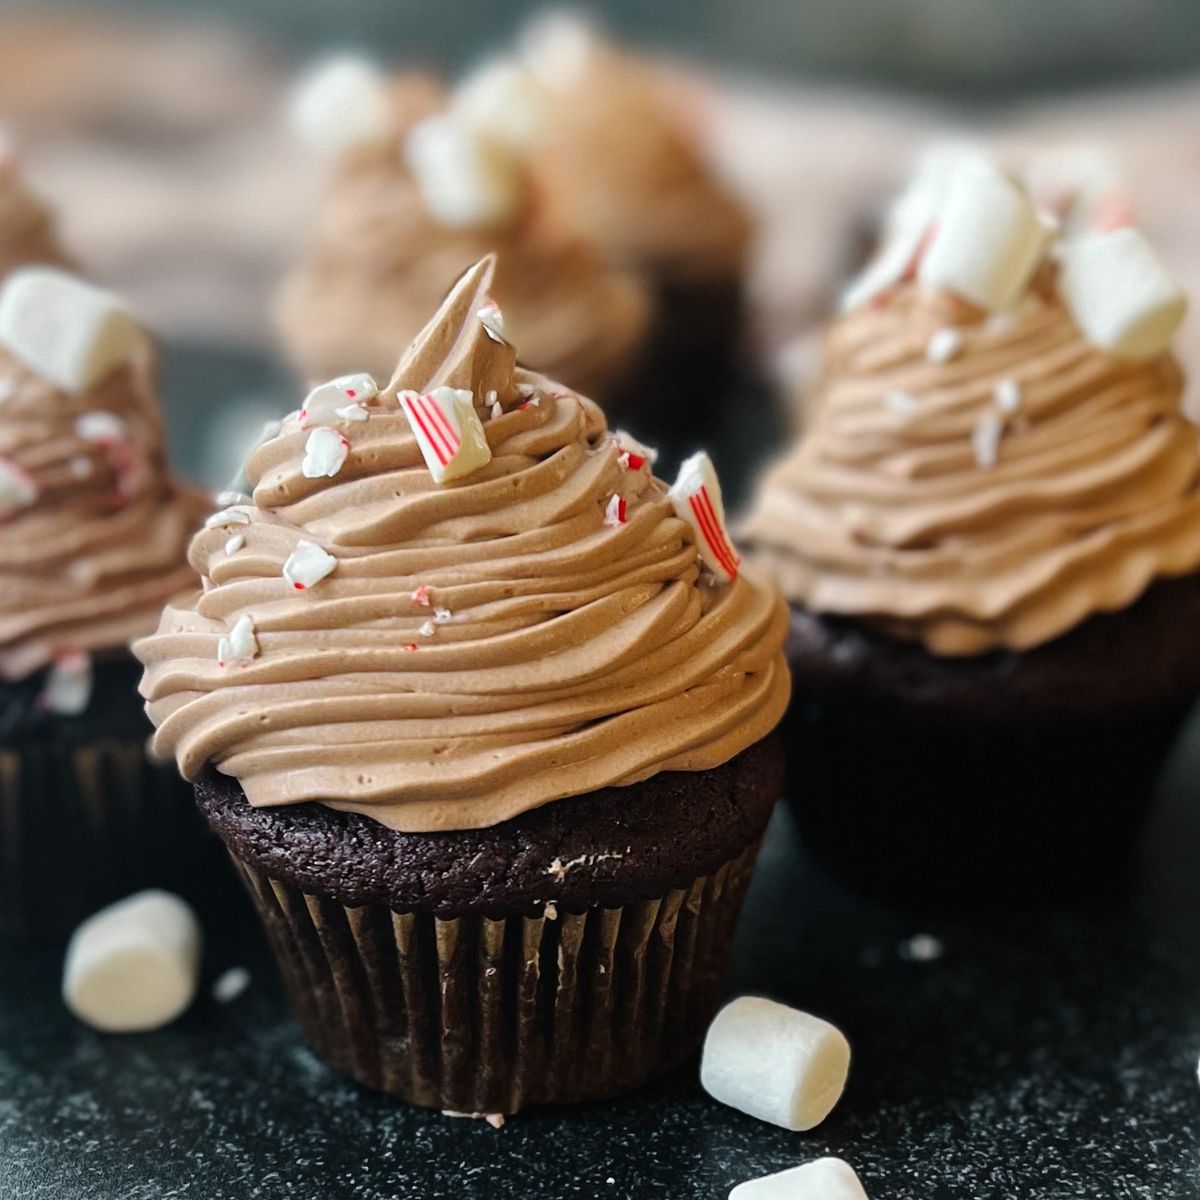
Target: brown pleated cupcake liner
{"points": [[85, 823], [479, 1015]]}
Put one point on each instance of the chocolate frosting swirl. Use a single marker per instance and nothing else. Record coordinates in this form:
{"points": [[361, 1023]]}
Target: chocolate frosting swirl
{"points": [[99, 541], [889, 511], [482, 647]]}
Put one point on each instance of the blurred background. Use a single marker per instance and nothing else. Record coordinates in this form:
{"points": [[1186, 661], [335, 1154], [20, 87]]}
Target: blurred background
{"points": [[156, 132]]}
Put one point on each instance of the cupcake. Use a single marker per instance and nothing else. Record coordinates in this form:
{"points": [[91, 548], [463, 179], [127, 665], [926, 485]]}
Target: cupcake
{"points": [[27, 228], [484, 721], [94, 540], [990, 538], [416, 195], [615, 158]]}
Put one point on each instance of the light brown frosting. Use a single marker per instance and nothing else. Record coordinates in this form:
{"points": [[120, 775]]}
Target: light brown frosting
{"points": [[88, 564], [884, 512], [618, 164], [27, 227], [569, 654], [379, 265]]}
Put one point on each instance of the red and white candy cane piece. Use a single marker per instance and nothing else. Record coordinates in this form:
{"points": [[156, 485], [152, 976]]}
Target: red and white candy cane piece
{"points": [[616, 512], [696, 497], [631, 453], [308, 564], [18, 489], [68, 689], [327, 400], [324, 453], [448, 431], [239, 645]]}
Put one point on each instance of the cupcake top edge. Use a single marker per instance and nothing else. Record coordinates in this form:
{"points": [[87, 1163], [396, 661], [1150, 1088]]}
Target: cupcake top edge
{"points": [[996, 450], [455, 596]]}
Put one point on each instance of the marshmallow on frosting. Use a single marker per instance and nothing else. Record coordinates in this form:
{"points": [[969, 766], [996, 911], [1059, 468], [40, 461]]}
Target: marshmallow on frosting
{"points": [[340, 103]]}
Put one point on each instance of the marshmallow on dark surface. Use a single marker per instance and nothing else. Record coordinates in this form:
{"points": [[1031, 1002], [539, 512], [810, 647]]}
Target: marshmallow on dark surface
{"points": [[821, 1179]]}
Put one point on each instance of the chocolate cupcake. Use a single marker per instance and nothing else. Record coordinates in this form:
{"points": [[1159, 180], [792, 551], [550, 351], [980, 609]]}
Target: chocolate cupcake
{"points": [[990, 538], [94, 540], [417, 194], [484, 722]]}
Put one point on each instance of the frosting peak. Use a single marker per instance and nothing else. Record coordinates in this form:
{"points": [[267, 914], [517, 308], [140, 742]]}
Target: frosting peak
{"points": [[536, 628]]}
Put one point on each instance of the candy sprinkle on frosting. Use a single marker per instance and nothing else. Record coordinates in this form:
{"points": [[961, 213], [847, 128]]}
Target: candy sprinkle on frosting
{"points": [[307, 565], [324, 454]]}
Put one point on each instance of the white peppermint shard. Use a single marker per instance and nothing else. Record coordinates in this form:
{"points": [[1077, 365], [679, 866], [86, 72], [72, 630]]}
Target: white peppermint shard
{"points": [[240, 645], [696, 498], [101, 427], [69, 332], [226, 516], [1121, 295], [340, 103], [68, 689], [324, 453], [327, 401], [17, 488], [821, 1179], [307, 565], [467, 179], [988, 239], [492, 320], [630, 445], [448, 431]]}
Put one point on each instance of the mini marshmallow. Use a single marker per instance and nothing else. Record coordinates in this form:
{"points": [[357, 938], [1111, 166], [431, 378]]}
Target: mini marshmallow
{"points": [[133, 966], [989, 238], [18, 489], [821, 1179], [448, 431], [327, 401], [1120, 294], [308, 564], [774, 1062], [324, 453], [696, 498], [68, 689], [340, 103], [466, 178], [65, 330], [504, 100], [240, 645]]}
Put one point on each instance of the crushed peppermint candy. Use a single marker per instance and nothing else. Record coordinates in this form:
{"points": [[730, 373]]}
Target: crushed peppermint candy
{"points": [[526, 390], [448, 430], [240, 645], [226, 516], [985, 439], [421, 596], [327, 401], [492, 320], [68, 689], [616, 512], [101, 427], [442, 615], [18, 489], [696, 498], [944, 345], [412, 646], [352, 412], [324, 453], [901, 402], [234, 544], [426, 629], [1007, 394], [532, 402], [307, 565], [497, 410], [230, 498], [628, 444], [491, 396]]}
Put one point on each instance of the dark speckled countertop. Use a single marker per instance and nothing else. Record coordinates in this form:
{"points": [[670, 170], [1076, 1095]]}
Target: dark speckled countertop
{"points": [[1047, 1055]]}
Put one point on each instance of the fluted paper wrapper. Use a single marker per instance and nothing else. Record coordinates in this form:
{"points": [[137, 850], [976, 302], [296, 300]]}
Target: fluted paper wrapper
{"points": [[84, 823], [477, 1015]]}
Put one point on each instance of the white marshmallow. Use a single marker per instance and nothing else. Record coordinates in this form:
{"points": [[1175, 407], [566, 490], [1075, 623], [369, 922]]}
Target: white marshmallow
{"points": [[988, 239], [1120, 293], [324, 453], [340, 103], [504, 100], [557, 46], [326, 401], [133, 966], [696, 498], [821, 1179], [65, 330], [308, 564], [466, 178], [448, 431], [774, 1062], [1076, 184]]}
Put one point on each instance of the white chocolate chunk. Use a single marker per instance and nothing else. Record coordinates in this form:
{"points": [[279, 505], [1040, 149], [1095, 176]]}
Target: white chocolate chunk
{"points": [[327, 401], [68, 689], [324, 453], [466, 178], [504, 100], [18, 489], [340, 103], [1121, 295], [240, 645], [65, 330], [821, 1179], [774, 1062], [307, 564], [988, 239], [133, 966], [696, 498], [448, 431]]}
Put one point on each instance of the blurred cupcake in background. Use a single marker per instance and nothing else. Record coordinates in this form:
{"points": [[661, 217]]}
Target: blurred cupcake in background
{"points": [[418, 191], [28, 231], [990, 538], [93, 542], [484, 713]]}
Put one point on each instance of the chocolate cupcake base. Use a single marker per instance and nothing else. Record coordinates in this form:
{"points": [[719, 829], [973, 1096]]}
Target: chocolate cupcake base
{"points": [[570, 954], [993, 780]]}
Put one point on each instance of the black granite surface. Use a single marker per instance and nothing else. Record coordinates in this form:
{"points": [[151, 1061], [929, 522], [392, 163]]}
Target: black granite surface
{"points": [[1045, 1055]]}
